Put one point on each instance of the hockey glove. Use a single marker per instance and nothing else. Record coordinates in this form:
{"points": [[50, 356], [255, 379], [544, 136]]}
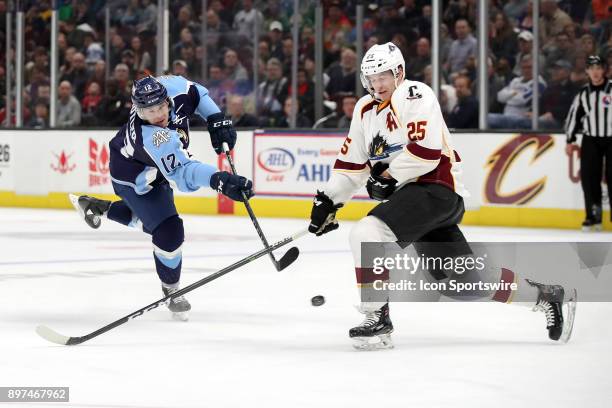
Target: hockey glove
{"points": [[232, 186], [221, 131], [323, 215], [379, 187]]}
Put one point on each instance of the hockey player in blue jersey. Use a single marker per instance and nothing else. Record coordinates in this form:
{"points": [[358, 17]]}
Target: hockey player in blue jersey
{"points": [[148, 159]]}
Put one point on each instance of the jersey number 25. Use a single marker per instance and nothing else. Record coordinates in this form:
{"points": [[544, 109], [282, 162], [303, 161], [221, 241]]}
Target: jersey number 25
{"points": [[416, 130]]}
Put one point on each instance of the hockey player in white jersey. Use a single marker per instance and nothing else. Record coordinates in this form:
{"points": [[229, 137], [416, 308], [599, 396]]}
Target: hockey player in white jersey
{"points": [[400, 148]]}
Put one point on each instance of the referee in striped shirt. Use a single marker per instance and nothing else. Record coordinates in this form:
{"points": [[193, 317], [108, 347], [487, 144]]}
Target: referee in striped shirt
{"points": [[591, 115]]}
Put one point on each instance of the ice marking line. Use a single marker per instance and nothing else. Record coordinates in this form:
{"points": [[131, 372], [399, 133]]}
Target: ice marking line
{"points": [[140, 258]]}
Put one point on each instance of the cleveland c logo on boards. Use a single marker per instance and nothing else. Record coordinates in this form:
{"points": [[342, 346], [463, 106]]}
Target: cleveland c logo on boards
{"points": [[500, 162]]}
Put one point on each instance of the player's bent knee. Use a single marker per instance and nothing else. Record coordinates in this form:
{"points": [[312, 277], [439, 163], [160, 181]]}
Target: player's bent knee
{"points": [[370, 229], [169, 235]]}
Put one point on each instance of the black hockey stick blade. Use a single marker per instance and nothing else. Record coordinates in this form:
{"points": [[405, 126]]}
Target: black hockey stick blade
{"points": [[57, 338], [290, 256]]}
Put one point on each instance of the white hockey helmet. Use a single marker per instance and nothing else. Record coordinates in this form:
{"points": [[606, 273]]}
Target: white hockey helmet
{"points": [[380, 58]]}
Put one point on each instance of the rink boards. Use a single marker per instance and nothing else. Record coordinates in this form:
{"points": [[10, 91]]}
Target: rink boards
{"points": [[514, 179]]}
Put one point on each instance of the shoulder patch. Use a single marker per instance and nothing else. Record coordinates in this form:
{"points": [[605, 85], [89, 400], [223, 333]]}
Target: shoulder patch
{"points": [[160, 136], [369, 106]]}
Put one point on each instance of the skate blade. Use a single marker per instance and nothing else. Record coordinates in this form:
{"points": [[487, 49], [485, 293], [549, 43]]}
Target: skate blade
{"points": [[570, 314], [74, 199], [380, 342], [180, 316]]}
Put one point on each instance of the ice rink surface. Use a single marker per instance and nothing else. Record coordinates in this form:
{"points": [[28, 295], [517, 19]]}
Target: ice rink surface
{"points": [[254, 340]]}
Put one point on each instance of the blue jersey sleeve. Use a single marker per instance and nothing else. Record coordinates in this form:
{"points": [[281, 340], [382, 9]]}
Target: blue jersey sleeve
{"points": [[166, 150], [207, 106]]}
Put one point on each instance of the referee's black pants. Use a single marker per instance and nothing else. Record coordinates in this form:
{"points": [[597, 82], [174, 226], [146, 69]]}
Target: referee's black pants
{"points": [[592, 154]]}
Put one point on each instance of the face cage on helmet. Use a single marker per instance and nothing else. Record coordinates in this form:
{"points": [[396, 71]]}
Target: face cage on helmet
{"points": [[365, 82]]}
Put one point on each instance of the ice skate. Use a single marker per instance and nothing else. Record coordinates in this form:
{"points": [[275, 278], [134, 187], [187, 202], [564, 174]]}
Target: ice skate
{"points": [[90, 209], [179, 306], [593, 222], [374, 332], [559, 322]]}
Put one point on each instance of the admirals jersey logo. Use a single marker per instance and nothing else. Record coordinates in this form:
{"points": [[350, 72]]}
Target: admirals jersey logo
{"points": [[380, 149], [160, 136], [184, 136]]}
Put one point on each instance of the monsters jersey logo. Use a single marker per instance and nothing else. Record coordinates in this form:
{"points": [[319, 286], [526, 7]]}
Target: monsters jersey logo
{"points": [[380, 149], [159, 137]]}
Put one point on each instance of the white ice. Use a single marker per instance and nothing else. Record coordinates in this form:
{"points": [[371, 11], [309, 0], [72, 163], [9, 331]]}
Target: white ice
{"points": [[255, 340]]}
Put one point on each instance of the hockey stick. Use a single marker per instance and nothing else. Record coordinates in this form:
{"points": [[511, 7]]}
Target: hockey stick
{"points": [[54, 337], [292, 254]]}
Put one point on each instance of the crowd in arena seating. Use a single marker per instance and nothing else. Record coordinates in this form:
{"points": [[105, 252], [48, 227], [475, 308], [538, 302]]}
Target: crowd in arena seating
{"points": [[222, 58]]}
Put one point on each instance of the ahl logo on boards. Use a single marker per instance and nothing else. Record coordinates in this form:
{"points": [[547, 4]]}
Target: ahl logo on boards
{"points": [[62, 164], [98, 164]]}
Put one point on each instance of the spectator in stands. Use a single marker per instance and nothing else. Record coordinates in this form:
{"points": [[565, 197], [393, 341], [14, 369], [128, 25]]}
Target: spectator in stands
{"points": [[276, 40], [235, 110], [122, 74], [525, 43], [287, 54], [560, 49], [465, 113], [218, 86], [423, 23], [40, 119], [62, 45], [216, 29], [348, 106], [90, 104], [515, 10], [264, 49], [342, 74], [66, 68], [114, 108], [392, 23], [517, 98], [132, 15], [274, 11], [336, 27], [283, 119], [92, 49], [68, 107], [148, 18], [194, 68], [578, 76], [246, 18], [78, 75], [272, 91], [184, 20], [307, 42], [416, 65], [588, 44], [92, 99], [503, 39], [179, 67], [305, 93], [98, 75], [38, 78], [463, 47], [496, 84], [234, 71], [558, 97], [224, 14], [116, 49], [552, 21], [186, 39], [40, 62], [43, 93], [142, 58]]}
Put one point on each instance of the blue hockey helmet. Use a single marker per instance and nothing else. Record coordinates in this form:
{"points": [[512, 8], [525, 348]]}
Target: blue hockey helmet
{"points": [[147, 92]]}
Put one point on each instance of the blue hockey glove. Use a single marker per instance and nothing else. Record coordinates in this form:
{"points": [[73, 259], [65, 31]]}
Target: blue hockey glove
{"points": [[221, 131], [232, 186]]}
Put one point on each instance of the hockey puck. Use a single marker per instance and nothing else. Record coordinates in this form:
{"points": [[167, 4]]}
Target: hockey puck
{"points": [[317, 300]]}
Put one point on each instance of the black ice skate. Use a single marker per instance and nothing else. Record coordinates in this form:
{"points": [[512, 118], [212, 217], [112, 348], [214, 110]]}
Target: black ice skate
{"points": [[179, 306], [90, 208], [374, 332], [551, 302], [593, 222]]}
